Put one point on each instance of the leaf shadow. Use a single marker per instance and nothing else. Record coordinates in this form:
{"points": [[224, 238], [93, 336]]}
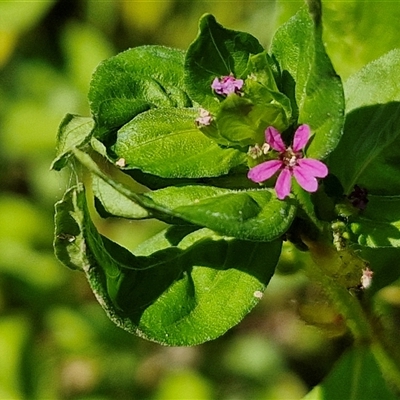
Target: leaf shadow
{"points": [[133, 291]]}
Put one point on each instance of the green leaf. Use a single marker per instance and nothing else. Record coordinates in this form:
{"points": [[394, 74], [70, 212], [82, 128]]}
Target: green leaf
{"points": [[242, 121], [369, 151], [214, 53], [69, 242], [78, 245], [310, 81], [167, 143], [180, 288], [356, 376], [270, 108], [248, 215], [113, 203], [73, 131], [134, 81], [379, 224], [225, 283], [261, 67], [376, 83], [262, 89]]}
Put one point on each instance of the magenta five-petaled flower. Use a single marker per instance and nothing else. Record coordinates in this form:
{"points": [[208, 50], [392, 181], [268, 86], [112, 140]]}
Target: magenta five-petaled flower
{"points": [[227, 85], [290, 163]]}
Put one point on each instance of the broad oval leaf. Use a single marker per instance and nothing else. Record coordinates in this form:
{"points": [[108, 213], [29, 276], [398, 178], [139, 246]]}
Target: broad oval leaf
{"points": [[309, 80], [369, 151], [379, 224], [216, 52], [167, 143], [245, 214], [376, 83], [134, 81], [248, 215], [241, 121], [226, 281], [180, 288], [252, 214]]}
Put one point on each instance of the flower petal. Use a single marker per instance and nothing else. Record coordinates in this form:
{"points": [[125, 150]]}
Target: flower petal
{"points": [[305, 179], [283, 184], [301, 137], [216, 85], [313, 167], [263, 171], [274, 139], [227, 85]]}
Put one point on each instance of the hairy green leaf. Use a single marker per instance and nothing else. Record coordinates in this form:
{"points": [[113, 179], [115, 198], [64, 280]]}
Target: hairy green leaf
{"points": [[376, 83], [134, 81], [216, 52], [245, 214], [167, 143], [369, 151], [226, 281], [310, 81], [176, 288], [249, 214], [379, 224]]}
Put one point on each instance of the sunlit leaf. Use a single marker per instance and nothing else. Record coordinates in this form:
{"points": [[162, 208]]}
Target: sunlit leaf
{"points": [[173, 291], [376, 83], [134, 81], [166, 143], [216, 52], [379, 224], [369, 151], [310, 81], [248, 215]]}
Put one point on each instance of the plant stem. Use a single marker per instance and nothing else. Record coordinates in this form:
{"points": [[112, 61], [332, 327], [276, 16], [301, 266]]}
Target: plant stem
{"points": [[348, 305]]}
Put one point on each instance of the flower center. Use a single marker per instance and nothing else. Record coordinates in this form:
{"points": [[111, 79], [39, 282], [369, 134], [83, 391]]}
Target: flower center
{"points": [[289, 157]]}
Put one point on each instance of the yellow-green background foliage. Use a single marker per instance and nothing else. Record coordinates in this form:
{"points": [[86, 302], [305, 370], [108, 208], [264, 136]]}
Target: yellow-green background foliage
{"points": [[55, 341]]}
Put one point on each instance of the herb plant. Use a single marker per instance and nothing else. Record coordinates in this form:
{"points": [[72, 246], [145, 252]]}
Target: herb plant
{"points": [[239, 149]]}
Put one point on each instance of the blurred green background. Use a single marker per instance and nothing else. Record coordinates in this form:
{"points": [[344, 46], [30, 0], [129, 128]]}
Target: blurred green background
{"points": [[55, 341]]}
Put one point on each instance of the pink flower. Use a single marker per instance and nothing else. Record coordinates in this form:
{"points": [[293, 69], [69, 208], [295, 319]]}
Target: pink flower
{"points": [[204, 119], [366, 279], [290, 163], [226, 85]]}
